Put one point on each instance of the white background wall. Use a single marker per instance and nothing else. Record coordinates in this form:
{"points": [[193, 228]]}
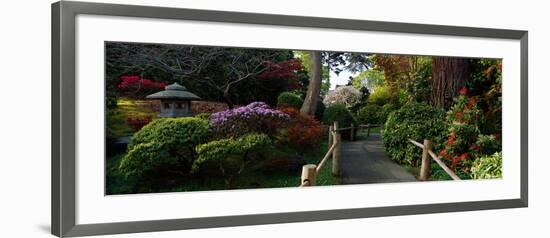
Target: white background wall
{"points": [[25, 117]]}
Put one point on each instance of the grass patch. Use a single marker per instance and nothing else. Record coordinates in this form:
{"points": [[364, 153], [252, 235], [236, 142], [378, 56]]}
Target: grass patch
{"points": [[117, 119]]}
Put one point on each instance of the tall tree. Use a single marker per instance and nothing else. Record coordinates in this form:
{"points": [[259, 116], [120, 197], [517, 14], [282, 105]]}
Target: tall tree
{"points": [[334, 61], [449, 74], [312, 97]]}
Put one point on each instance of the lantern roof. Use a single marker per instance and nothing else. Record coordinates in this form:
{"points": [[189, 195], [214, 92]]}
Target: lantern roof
{"points": [[174, 91]]}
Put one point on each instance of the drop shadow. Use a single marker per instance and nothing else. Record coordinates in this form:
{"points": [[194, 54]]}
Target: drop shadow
{"points": [[46, 228]]}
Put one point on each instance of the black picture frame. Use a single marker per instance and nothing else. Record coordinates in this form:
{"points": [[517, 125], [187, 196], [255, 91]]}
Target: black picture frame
{"points": [[64, 133]]}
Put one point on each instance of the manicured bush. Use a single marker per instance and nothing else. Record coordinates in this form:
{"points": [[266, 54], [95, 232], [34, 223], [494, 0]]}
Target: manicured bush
{"points": [[370, 114], [487, 167], [204, 116], [302, 132], [417, 121], [232, 155], [166, 142], [342, 115], [345, 95], [255, 117], [288, 99]]}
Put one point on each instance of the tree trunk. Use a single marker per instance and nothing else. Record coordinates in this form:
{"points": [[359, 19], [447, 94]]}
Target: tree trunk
{"points": [[449, 76], [314, 87], [227, 98]]}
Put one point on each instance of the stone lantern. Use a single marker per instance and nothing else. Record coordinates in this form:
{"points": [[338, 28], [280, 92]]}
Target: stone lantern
{"points": [[175, 101]]}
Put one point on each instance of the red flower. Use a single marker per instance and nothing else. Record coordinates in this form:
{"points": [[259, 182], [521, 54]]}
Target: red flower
{"points": [[456, 160], [442, 153], [459, 115], [463, 91], [451, 139], [471, 102]]}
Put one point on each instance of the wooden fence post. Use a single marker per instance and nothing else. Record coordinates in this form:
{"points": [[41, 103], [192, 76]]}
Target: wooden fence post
{"points": [[308, 174], [426, 161], [330, 139], [337, 152]]}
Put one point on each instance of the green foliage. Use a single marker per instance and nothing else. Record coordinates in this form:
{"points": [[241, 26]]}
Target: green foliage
{"points": [[117, 118], [418, 86], [488, 144], [374, 114], [487, 167], [288, 99], [220, 150], [384, 113], [417, 121], [379, 96], [204, 116], [166, 142], [486, 82], [340, 113], [371, 79], [370, 114], [232, 155]]}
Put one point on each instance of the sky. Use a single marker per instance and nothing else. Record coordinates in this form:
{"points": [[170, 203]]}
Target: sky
{"points": [[341, 79]]}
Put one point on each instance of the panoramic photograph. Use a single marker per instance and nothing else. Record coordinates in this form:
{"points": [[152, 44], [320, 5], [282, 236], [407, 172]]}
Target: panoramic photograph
{"points": [[183, 118]]}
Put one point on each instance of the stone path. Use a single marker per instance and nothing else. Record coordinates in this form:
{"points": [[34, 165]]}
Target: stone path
{"points": [[364, 161]]}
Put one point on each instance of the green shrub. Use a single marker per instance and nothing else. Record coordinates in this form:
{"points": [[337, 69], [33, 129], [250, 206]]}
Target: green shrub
{"points": [[164, 143], [204, 116], [369, 114], [488, 144], [341, 114], [288, 99], [487, 167], [380, 96], [463, 118], [385, 112], [231, 155], [416, 121]]}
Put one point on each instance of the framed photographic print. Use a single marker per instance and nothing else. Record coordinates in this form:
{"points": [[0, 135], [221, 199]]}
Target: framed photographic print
{"points": [[167, 118]]}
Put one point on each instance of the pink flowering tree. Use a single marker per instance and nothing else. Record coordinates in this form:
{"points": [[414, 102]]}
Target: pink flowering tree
{"points": [[346, 95]]}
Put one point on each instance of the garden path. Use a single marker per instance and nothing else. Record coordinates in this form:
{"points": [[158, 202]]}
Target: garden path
{"points": [[364, 161]]}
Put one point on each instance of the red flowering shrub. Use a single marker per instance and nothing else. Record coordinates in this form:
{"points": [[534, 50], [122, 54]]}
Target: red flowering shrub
{"points": [[138, 122], [302, 131], [137, 87], [464, 118]]}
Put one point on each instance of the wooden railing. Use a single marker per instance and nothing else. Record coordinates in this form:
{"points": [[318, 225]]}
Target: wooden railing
{"points": [[310, 171], [427, 156]]}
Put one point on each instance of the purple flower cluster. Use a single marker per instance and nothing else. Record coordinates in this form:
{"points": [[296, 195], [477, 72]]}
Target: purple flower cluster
{"points": [[254, 117]]}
